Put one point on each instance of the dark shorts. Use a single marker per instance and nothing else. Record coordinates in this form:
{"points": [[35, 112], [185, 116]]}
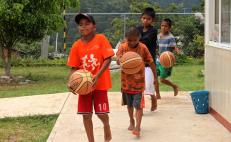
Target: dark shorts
{"points": [[133, 100], [163, 72]]}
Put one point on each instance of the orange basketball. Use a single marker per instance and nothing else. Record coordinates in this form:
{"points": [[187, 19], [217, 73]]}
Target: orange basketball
{"points": [[80, 82], [131, 62], [167, 59]]}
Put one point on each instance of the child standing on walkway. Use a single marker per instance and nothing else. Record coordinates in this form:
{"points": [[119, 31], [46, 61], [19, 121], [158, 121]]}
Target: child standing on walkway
{"points": [[166, 42], [149, 38], [92, 52], [133, 84]]}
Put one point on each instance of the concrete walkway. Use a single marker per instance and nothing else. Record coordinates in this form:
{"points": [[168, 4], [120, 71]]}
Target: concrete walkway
{"points": [[32, 105], [174, 121]]}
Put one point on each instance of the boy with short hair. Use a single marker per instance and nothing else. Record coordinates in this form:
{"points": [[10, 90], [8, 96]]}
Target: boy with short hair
{"points": [[166, 42], [133, 84], [149, 38], [92, 52]]}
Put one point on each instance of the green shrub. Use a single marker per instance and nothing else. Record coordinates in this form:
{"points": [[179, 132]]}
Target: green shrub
{"points": [[181, 59]]}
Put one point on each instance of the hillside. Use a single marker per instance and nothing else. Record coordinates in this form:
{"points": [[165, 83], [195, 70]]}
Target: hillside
{"points": [[123, 6]]}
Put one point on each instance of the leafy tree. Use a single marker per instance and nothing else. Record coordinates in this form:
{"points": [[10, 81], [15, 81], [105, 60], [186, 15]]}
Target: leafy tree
{"points": [[26, 21]]}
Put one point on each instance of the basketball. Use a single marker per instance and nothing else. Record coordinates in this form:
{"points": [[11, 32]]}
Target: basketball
{"points": [[131, 62], [167, 59], [80, 82]]}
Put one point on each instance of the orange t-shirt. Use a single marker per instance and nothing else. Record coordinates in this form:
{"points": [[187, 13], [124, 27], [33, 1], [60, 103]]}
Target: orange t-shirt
{"points": [[90, 56], [134, 83]]}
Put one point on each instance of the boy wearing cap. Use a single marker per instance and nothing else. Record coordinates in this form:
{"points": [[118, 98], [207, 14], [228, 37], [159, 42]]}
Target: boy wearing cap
{"points": [[92, 52]]}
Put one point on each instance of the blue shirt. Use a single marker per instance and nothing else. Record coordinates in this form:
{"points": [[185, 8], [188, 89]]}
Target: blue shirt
{"points": [[166, 42]]}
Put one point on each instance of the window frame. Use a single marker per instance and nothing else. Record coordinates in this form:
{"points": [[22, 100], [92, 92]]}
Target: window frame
{"points": [[211, 13]]}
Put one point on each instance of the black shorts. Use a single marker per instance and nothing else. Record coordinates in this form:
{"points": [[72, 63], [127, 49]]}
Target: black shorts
{"points": [[133, 100]]}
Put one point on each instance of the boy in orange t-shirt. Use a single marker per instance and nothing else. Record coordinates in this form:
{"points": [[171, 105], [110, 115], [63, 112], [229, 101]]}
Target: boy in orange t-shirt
{"points": [[133, 84], [92, 52]]}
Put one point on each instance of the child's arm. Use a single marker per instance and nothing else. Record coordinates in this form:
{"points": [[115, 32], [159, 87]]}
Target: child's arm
{"points": [[105, 65], [70, 73], [174, 46], [119, 54], [156, 84]]}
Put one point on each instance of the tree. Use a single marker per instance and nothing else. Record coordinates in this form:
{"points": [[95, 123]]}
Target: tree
{"points": [[26, 21]]}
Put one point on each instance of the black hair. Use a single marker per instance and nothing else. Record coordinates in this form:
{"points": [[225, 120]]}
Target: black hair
{"points": [[169, 21], [132, 31], [150, 12]]}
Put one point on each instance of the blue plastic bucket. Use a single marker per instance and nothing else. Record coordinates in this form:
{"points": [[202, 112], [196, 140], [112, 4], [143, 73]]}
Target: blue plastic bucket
{"points": [[200, 101]]}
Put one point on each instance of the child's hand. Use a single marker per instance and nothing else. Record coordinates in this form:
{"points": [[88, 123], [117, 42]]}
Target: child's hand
{"points": [[158, 95], [94, 80], [69, 88], [177, 50], [156, 83], [118, 62]]}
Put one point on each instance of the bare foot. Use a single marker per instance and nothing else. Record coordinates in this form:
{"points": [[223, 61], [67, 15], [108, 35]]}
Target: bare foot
{"points": [[136, 132], [132, 125], [175, 91], [107, 133]]}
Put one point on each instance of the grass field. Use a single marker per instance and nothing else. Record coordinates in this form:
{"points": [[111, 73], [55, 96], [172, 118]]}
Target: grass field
{"points": [[188, 78], [44, 80], [26, 129], [53, 80]]}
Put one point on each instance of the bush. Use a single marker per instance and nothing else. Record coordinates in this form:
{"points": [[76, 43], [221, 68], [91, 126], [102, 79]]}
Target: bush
{"points": [[181, 59], [30, 50]]}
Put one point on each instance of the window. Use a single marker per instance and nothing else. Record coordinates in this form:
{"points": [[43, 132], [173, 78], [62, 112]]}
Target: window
{"points": [[220, 17], [225, 21]]}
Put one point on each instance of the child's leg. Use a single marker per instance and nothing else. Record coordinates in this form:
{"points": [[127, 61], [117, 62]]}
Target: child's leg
{"points": [[130, 108], [132, 121], [85, 108], [101, 106], [149, 87], [169, 83], [139, 114], [153, 102], [87, 121], [107, 131]]}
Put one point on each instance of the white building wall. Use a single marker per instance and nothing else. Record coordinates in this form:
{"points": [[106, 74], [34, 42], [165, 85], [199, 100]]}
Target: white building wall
{"points": [[218, 79]]}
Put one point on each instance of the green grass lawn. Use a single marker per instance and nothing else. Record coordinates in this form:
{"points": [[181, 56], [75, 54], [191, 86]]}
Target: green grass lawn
{"points": [[53, 80], [44, 80], [26, 129], [187, 77]]}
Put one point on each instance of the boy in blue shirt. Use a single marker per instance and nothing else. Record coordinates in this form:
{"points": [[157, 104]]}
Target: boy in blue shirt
{"points": [[166, 42]]}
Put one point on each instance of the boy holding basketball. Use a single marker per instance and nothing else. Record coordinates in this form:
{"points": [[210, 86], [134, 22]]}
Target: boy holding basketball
{"points": [[166, 42], [149, 38], [92, 52], [133, 84]]}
